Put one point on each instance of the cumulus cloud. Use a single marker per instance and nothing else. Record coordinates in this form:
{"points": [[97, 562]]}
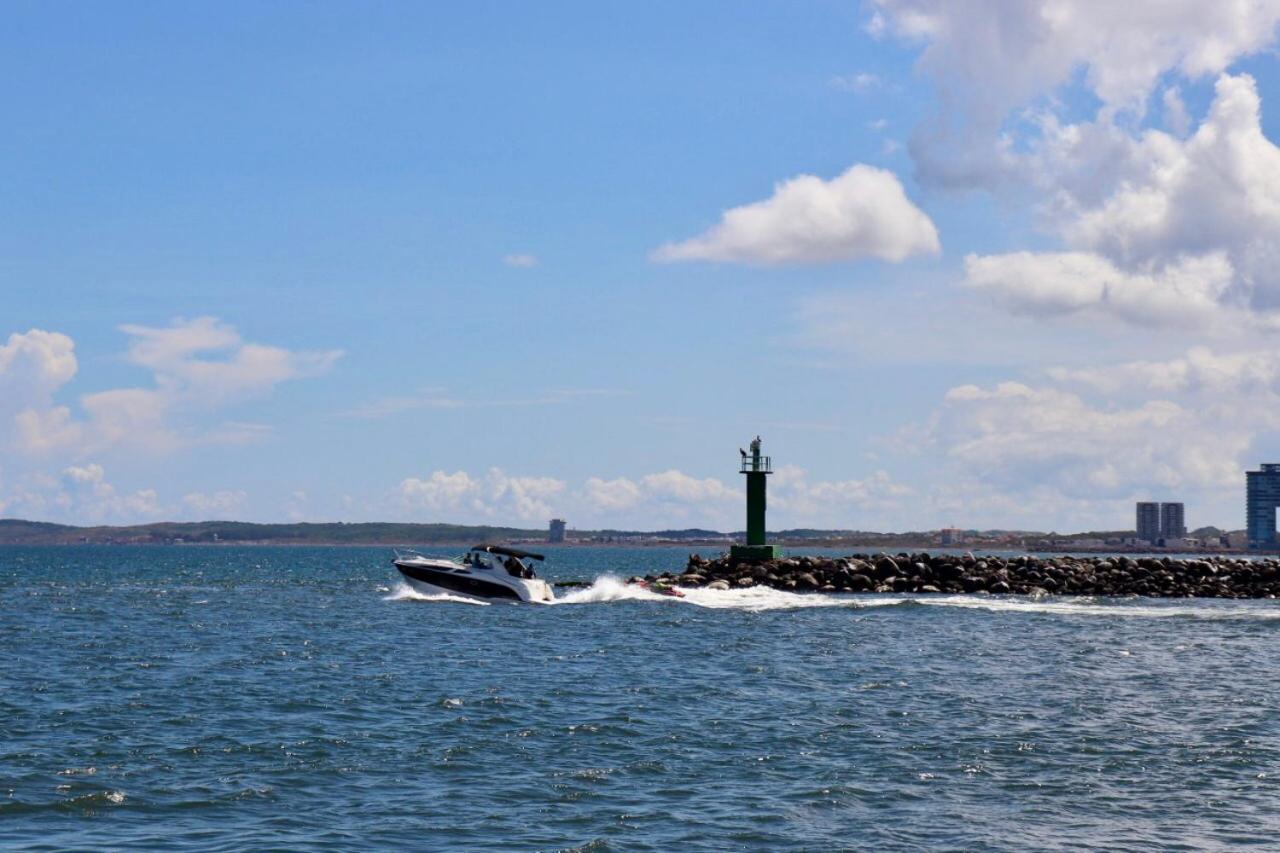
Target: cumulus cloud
{"points": [[85, 494], [495, 496], [863, 213], [873, 502], [660, 500], [1219, 190], [34, 365], [1250, 374], [990, 58], [1186, 292], [205, 359], [197, 366], [1165, 231], [221, 505], [1176, 117], [1157, 205], [1014, 435], [1082, 443]]}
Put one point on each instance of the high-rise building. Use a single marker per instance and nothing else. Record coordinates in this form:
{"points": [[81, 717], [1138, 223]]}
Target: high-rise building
{"points": [[1173, 523], [556, 531], [1262, 496], [1148, 521]]}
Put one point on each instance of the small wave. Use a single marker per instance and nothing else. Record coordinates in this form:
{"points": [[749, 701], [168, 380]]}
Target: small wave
{"points": [[1121, 607], [403, 592], [608, 588], [756, 598], [759, 598]]}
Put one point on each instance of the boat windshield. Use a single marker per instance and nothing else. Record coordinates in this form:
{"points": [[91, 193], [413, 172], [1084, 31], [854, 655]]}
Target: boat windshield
{"points": [[513, 565]]}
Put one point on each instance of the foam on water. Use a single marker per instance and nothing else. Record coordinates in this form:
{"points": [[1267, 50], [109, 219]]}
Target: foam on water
{"points": [[403, 592], [608, 589], [1119, 607]]}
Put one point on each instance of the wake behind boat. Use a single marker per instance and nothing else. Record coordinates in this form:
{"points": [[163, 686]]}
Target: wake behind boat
{"points": [[485, 572]]}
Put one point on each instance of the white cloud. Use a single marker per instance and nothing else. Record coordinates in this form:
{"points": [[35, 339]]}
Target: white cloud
{"points": [[520, 261], [992, 57], [494, 497], [874, 502], [222, 505], [1165, 232], [1155, 208], [863, 213], [206, 360], [34, 365], [197, 365], [1251, 374], [609, 496], [862, 82], [1185, 293], [297, 507], [1219, 190], [1078, 445], [1176, 117], [86, 495], [673, 485], [661, 500], [1015, 435]]}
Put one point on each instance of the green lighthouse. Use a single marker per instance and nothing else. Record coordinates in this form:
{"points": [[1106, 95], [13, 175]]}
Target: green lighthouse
{"points": [[757, 468]]}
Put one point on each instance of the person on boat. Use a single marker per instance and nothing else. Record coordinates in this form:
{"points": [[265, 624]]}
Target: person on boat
{"points": [[514, 567]]}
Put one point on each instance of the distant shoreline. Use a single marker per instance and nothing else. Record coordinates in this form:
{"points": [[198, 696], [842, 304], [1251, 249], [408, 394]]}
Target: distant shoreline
{"points": [[439, 535]]}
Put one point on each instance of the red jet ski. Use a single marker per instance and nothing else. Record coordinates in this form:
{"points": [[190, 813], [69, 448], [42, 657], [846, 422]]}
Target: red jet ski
{"points": [[661, 588]]}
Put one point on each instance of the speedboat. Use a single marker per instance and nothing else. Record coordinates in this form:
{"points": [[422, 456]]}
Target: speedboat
{"points": [[484, 572]]}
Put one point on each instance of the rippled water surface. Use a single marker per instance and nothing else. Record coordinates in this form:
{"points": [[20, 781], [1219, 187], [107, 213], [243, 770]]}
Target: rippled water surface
{"points": [[224, 698]]}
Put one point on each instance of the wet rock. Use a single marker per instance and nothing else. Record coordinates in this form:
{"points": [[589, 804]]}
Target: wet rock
{"points": [[1209, 576], [718, 585]]}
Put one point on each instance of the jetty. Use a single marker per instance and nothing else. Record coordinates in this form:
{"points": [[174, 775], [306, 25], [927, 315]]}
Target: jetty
{"points": [[758, 563], [1167, 577]]}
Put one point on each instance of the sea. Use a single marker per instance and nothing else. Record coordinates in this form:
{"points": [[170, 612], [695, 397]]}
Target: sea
{"points": [[233, 698]]}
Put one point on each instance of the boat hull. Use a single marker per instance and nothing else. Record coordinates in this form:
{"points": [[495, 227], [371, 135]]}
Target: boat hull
{"points": [[433, 581]]}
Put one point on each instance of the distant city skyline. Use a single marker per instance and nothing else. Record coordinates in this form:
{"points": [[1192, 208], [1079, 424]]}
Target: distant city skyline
{"points": [[1004, 266]]}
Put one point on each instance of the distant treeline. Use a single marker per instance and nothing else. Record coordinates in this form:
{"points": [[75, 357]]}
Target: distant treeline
{"points": [[17, 532]]}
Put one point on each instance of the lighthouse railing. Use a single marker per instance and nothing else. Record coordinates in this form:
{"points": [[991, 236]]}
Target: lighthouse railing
{"points": [[753, 464]]}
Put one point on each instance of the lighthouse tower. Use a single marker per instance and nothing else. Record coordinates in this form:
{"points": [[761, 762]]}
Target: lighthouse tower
{"points": [[757, 469]]}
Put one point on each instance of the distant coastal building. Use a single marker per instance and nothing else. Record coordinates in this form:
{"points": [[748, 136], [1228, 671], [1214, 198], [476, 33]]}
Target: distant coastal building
{"points": [[951, 536], [556, 531], [1262, 496], [1148, 525], [1172, 521]]}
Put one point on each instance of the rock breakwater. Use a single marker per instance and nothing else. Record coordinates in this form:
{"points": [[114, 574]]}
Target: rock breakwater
{"points": [[1209, 577]]}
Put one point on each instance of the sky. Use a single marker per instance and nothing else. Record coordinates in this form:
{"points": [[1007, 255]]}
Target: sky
{"points": [[977, 263]]}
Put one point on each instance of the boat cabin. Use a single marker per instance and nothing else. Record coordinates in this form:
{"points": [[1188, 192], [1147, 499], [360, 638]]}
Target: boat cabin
{"points": [[499, 558]]}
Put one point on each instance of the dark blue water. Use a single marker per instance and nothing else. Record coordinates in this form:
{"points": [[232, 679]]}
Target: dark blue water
{"points": [[231, 698]]}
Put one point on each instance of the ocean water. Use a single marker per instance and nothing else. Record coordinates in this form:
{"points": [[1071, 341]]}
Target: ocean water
{"points": [[302, 698]]}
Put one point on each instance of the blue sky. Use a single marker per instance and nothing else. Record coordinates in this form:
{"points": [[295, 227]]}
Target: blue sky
{"points": [[432, 239]]}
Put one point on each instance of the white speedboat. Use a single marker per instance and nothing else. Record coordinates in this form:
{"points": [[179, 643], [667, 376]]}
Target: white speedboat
{"points": [[485, 572]]}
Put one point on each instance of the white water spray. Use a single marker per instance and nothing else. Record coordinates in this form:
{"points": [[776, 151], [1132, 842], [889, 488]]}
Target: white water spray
{"points": [[403, 592]]}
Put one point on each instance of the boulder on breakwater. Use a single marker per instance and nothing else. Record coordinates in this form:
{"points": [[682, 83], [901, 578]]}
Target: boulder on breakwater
{"points": [[1207, 577]]}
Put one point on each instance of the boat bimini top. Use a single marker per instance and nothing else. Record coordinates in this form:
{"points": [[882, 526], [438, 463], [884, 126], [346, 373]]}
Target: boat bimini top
{"points": [[507, 552]]}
